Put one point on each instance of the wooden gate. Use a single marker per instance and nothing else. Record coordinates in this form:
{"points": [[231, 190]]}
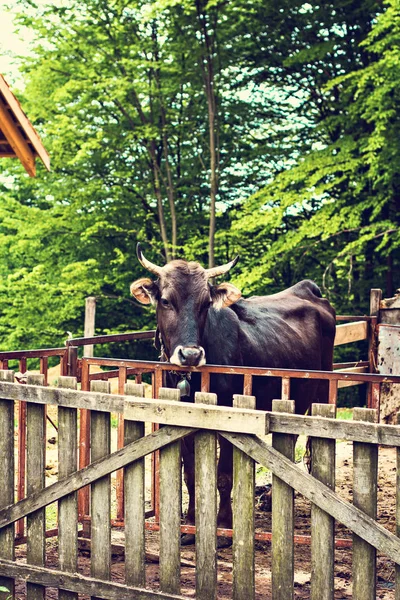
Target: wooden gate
{"points": [[241, 425]]}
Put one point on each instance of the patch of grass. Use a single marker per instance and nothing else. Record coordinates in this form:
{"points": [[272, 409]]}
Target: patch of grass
{"points": [[51, 516], [344, 413]]}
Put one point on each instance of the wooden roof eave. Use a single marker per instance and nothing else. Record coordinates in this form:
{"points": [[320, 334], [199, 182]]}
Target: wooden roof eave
{"points": [[13, 133]]}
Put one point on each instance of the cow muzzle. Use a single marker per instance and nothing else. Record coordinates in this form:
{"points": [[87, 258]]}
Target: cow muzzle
{"points": [[188, 356]]}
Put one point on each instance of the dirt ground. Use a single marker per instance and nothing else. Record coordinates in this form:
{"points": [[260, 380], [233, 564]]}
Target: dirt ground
{"points": [[343, 557]]}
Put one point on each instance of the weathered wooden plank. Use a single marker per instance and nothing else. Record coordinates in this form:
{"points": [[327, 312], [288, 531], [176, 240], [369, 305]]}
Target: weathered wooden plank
{"points": [[143, 409], [197, 415], [100, 436], [116, 460], [7, 481], [68, 506], [205, 448], [322, 524], [344, 384], [35, 481], [351, 332], [87, 586], [318, 493], [170, 509], [365, 476], [122, 379], [369, 433], [134, 501], [243, 516], [397, 575], [282, 573]]}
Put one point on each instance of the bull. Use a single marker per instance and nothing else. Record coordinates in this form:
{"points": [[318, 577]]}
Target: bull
{"points": [[198, 322]]}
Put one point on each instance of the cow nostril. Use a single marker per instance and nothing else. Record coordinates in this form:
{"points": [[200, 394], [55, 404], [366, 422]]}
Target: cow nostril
{"points": [[190, 356]]}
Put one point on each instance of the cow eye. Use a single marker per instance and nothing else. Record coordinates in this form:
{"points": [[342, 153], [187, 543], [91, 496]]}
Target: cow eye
{"points": [[165, 303]]}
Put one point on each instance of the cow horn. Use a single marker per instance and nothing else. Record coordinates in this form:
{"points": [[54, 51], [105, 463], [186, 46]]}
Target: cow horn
{"points": [[215, 271], [146, 263]]}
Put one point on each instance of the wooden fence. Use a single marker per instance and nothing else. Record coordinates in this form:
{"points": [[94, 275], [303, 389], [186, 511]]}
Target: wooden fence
{"points": [[241, 425]]}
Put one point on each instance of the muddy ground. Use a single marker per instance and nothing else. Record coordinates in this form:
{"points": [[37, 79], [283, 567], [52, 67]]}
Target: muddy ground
{"points": [[343, 557]]}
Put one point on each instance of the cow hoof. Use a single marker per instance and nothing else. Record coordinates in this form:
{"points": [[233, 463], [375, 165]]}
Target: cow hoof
{"points": [[223, 541], [187, 539]]}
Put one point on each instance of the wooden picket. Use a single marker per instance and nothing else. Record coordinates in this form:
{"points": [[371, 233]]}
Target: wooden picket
{"points": [[240, 431]]}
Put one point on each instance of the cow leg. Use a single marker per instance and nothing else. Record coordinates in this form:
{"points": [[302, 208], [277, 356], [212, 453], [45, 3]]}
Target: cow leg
{"points": [[224, 483], [188, 473]]}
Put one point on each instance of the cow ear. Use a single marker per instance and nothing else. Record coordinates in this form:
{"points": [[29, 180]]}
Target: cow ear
{"points": [[144, 290], [225, 294]]}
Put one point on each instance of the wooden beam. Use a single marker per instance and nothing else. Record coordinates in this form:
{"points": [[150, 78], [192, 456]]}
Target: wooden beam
{"points": [[92, 472], [357, 431], [318, 493], [202, 416], [87, 586], [17, 140], [26, 125], [164, 412], [351, 332], [343, 384]]}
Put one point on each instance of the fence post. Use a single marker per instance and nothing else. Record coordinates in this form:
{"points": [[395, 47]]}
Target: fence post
{"points": [[90, 318], [134, 501], [282, 516], [7, 486], [322, 524], [365, 475], [243, 515], [205, 448], [100, 436], [170, 509], [398, 510], [35, 481], [68, 506], [374, 307]]}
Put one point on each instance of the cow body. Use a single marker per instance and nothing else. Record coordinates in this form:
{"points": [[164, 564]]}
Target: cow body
{"points": [[200, 323]]}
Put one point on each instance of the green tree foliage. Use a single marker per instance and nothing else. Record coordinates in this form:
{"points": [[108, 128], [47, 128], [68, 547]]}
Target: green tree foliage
{"points": [[155, 114], [335, 213]]}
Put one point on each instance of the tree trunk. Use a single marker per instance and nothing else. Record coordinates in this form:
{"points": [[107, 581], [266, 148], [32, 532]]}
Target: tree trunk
{"points": [[207, 66]]}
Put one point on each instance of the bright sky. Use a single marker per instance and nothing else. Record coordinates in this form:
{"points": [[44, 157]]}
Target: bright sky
{"points": [[12, 44]]}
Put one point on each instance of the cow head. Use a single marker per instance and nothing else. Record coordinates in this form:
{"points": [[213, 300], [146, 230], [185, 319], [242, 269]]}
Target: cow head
{"points": [[183, 295]]}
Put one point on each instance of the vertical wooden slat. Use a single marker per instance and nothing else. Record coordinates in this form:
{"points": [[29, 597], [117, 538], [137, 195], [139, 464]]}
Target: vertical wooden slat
{"points": [[333, 390], [68, 506], [247, 385], [397, 576], [170, 509], [365, 475], [375, 396], [20, 526], [205, 381], [322, 524], [44, 367], [7, 480], [64, 363], [243, 516], [374, 308], [84, 446], [155, 458], [285, 390], [282, 516], [134, 502], [35, 481], [100, 435], [122, 372], [205, 446], [73, 363]]}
